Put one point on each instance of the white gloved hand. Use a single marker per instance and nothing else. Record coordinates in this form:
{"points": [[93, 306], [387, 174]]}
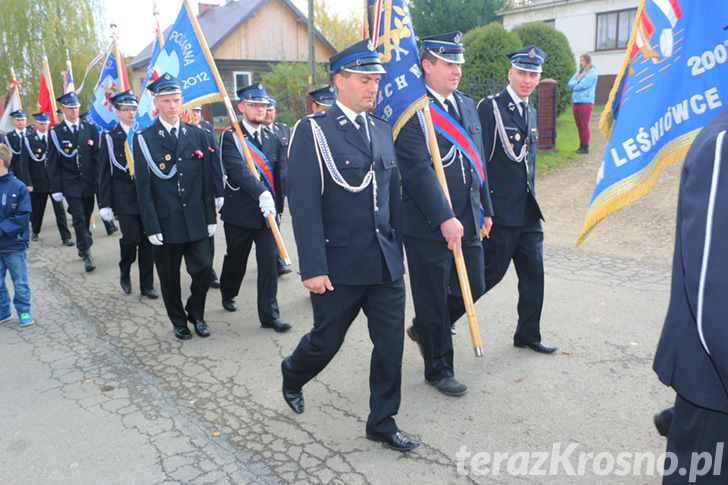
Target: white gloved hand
{"points": [[267, 204], [156, 239], [106, 214], [57, 196], [211, 228], [219, 202]]}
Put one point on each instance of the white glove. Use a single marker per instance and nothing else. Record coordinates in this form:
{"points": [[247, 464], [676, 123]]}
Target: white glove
{"points": [[211, 228], [267, 204], [106, 214], [155, 239], [219, 202], [57, 196]]}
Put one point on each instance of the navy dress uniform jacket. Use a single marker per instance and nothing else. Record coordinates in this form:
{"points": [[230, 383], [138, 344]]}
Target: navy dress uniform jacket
{"points": [[243, 187], [35, 173], [181, 207], [15, 142], [116, 187], [699, 371], [76, 175], [511, 183], [422, 213], [338, 233]]}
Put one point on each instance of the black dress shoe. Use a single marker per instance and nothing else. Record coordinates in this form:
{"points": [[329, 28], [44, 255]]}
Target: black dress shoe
{"points": [[111, 229], [125, 283], [151, 293], [283, 270], [277, 325], [67, 242], [412, 334], [201, 328], [294, 398], [88, 261], [537, 347], [449, 386], [33, 236], [230, 305], [182, 333], [397, 441], [215, 283]]}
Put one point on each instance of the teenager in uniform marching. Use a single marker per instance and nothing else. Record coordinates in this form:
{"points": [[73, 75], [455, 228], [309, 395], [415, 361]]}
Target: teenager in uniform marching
{"points": [[73, 157], [431, 226], [248, 201], [34, 163], [509, 148], [345, 206], [283, 132], [175, 178], [117, 197], [14, 140]]}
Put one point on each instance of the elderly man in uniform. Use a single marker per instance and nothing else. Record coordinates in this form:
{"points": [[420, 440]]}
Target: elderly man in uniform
{"points": [[73, 157], [14, 140], [691, 355], [345, 207], [34, 163], [118, 196], [322, 98], [283, 132], [248, 201], [509, 145], [175, 178], [432, 227]]}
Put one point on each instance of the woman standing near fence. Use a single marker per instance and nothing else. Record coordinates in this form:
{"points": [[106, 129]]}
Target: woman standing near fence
{"points": [[583, 83]]}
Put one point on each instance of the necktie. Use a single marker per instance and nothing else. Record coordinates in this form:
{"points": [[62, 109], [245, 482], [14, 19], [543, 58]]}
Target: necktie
{"points": [[451, 111], [362, 128], [255, 138], [75, 130], [173, 132], [524, 111]]}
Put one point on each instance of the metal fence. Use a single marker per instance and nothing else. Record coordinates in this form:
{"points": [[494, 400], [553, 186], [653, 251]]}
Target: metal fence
{"points": [[543, 99]]}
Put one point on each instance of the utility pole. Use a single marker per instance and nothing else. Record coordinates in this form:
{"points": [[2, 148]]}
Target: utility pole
{"points": [[311, 48]]}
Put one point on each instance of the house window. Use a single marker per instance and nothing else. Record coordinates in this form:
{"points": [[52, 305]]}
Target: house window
{"points": [[241, 79], [614, 28], [550, 22]]}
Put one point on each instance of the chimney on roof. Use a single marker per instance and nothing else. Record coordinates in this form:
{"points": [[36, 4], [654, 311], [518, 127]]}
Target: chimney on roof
{"points": [[204, 7]]}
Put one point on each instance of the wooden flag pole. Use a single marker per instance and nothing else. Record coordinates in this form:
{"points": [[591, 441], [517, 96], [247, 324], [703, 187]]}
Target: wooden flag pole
{"points": [[49, 86], [459, 260], [17, 91], [236, 126]]}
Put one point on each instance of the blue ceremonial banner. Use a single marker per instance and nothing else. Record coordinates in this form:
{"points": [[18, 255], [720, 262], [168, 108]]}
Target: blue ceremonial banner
{"points": [[102, 109], [402, 89], [672, 82], [183, 57]]}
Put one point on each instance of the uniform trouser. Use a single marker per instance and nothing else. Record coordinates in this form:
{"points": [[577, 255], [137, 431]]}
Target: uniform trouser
{"points": [[524, 246], [81, 209], [133, 239], [168, 258], [435, 291], [698, 442], [213, 274], [38, 205], [333, 312], [239, 242]]}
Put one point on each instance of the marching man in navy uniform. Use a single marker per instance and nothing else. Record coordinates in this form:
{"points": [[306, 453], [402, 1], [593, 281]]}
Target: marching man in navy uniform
{"points": [[73, 157], [345, 205], [691, 355], [117, 197], [175, 177], [248, 201], [431, 226], [34, 162], [322, 98], [14, 140], [509, 148]]}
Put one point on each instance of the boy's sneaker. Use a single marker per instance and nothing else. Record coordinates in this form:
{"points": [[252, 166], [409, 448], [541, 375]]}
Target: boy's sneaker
{"points": [[26, 320], [6, 318]]}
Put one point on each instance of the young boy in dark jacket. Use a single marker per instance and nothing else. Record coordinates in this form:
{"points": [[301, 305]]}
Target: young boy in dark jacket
{"points": [[14, 217]]}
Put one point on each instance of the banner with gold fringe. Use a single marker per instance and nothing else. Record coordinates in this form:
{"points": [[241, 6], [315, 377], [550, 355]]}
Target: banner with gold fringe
{"points": [[670, 84]]}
